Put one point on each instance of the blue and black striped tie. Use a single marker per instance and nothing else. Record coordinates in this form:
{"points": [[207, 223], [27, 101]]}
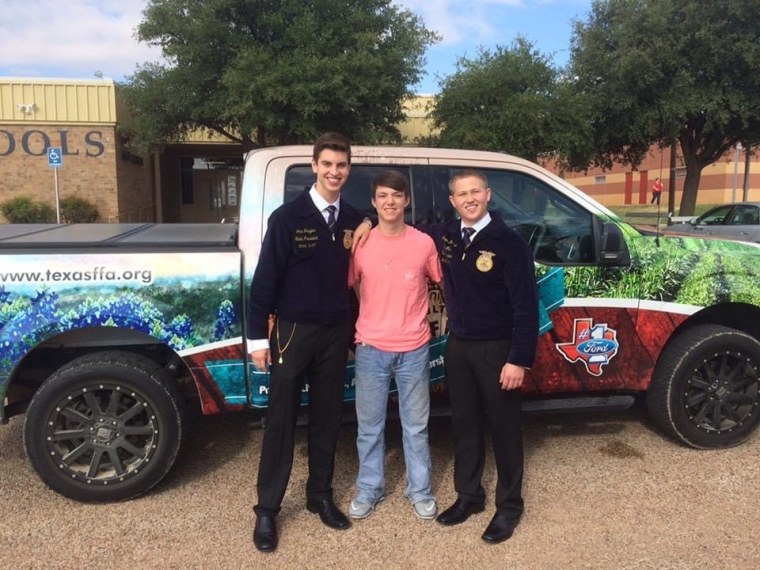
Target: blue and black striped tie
{"points": [[467, 236], [331, 218]]}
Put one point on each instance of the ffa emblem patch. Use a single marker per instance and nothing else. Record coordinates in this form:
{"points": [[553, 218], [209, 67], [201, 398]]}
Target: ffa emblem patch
{"points": [[594, 345], [348, 238], [484, 263]]}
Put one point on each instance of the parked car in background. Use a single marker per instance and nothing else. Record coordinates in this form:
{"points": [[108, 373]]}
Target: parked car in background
{"points": [[738, 221]]}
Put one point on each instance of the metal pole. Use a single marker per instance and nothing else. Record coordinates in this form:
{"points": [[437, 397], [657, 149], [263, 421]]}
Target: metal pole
{"points": [[736, 169], [747, 165], [57, 202]]}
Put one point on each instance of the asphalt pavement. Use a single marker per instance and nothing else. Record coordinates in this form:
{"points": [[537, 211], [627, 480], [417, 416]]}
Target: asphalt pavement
{"points": [[601, 491]]}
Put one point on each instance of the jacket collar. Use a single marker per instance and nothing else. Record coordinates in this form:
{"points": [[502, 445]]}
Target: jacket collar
{"points": [[495, 228], [304, 206]]}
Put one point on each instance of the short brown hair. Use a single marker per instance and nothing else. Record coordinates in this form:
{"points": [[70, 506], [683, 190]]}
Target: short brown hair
{"points": [[466, 173], [391, 179], [332, 141]]}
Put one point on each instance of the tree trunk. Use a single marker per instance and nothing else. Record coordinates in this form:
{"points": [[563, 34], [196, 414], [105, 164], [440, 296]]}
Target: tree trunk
{"points": [[690, 186], [672, 178], [261, 137]]}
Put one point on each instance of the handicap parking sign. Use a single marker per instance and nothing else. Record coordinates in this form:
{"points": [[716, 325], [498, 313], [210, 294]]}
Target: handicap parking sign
{"points": [[55, 157]]}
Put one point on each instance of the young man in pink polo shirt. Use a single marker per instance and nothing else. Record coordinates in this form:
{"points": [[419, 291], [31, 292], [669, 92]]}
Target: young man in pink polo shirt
{"points": [[392, 334]]}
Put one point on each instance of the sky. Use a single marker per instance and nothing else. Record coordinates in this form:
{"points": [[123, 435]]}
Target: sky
{"points": [[77, 39]]}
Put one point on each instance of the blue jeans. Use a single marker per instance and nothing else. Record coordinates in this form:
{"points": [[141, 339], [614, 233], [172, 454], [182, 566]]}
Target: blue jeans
{"points": [[411, 370]]}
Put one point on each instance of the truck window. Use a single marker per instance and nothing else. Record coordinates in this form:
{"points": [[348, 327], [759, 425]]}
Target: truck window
{"points": [[559, 231], [358, 189]]}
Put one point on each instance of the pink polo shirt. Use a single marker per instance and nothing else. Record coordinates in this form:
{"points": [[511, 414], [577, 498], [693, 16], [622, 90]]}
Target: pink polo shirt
{"points": [[393, 273]]}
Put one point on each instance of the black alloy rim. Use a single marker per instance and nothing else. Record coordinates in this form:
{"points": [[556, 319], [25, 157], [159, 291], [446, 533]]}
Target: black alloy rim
{"points": [[722, 392], [102, 434]]}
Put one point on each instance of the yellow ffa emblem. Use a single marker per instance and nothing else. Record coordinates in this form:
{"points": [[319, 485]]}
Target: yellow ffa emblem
{"points": [[484, 263], [348, 238]]}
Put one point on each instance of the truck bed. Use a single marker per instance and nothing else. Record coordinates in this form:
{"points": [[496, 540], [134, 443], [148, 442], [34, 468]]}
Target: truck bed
{"points": [[21, 236]]}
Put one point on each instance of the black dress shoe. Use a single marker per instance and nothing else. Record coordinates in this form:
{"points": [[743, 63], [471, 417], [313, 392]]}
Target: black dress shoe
{"points": [[265, 533], [328, 513], [459, 512], [500, 528]]}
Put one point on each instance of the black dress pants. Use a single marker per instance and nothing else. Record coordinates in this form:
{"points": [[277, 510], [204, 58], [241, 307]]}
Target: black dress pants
{"points": [[319, 353], [478, 401]]}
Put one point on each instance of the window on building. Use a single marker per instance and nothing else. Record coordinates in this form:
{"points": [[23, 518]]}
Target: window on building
{"points": [[600, 179]]}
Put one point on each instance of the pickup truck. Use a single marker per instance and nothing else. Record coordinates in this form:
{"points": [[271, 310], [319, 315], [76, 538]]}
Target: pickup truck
{"points": [[111, 334]]}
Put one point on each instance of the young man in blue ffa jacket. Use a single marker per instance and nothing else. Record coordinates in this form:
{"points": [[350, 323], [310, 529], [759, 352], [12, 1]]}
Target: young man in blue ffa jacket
{"points": [[301, 279], [492, 305]]}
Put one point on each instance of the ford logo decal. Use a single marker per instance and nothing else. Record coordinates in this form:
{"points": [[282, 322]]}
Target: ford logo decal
{"points": [[597, 346]]}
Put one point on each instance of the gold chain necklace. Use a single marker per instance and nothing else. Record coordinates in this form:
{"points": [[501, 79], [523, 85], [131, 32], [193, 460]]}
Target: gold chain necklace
{"points": [[281, 350]]}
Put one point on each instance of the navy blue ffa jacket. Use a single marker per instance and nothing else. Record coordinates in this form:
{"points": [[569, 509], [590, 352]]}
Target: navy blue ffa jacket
{"points": [[302, 273], [490, 287]]}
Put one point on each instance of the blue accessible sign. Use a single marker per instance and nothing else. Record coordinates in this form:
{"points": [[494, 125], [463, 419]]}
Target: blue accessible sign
{"points": [[55, 157]]}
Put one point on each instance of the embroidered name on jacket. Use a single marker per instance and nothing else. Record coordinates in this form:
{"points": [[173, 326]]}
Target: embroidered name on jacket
{"points": [[447, 251], [306, 238]]}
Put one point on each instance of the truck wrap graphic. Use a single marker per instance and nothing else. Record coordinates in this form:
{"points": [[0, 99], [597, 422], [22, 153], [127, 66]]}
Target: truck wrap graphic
{"points": [[176, 299], [635, 309]]}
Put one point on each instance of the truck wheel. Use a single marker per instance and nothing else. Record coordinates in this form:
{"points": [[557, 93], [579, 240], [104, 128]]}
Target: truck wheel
{"points": [[705, 387], [104, 427]]}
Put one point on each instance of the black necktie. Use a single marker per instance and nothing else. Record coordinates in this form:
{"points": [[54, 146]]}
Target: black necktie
{"points": [[467, 236], [331, 217]]}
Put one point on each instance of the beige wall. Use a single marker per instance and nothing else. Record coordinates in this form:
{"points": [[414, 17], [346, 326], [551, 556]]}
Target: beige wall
{"points": [[418, 123], [59, 101]]}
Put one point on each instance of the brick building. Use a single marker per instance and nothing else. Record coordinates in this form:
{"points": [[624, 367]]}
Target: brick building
{"points": [[721, 182], [193, 181], [82, 118]]}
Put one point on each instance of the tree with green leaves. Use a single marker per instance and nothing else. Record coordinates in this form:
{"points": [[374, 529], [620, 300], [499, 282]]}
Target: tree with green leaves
{"points": [[264, 72], [661, 71], [509, 99]]}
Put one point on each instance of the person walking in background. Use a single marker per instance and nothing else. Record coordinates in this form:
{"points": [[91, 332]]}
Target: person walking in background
{"points": [[392, 333], [301, 280], [656, 191], [492, 305]]}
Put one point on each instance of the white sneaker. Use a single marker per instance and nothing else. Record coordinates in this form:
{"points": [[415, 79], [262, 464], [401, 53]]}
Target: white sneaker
{"points": [[361, 510], [426, 509]]}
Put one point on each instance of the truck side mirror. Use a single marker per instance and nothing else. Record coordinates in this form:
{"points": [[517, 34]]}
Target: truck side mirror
{"points": [[614, 250]]}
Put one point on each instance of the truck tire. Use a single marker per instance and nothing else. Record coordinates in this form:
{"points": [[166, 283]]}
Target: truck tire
{"points": [[104, 427], [705, 387]]}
